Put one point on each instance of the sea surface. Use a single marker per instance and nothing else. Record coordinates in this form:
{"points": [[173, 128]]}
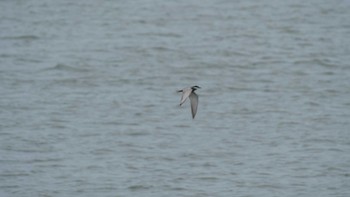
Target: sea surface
{"points": [[88, 101]]}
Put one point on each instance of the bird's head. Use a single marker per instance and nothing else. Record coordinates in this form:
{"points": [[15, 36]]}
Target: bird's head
{"points": [[195, 87]]}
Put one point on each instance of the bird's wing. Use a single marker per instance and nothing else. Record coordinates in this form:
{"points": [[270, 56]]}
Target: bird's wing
{"points": [[185, 94], [194, 103]]}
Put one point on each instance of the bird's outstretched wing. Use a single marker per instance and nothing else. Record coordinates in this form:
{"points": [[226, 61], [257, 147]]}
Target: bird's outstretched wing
{"points": [[194, 103], [185, 93]]}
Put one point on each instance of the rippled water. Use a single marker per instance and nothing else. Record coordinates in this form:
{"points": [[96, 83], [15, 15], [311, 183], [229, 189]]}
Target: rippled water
{"points": [[89, 105]]}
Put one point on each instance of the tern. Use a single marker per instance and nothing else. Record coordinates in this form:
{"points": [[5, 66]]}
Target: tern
{"points": [[189, 92]]}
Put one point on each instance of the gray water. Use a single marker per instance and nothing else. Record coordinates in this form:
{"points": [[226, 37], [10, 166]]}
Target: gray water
{"points": [[89, 107]]}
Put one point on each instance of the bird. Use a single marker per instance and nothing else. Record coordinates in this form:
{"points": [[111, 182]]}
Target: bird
{"points": [[189, 92]]}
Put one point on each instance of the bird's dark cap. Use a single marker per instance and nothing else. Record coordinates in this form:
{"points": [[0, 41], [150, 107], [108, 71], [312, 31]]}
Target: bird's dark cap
{"points": [[195, 87]]}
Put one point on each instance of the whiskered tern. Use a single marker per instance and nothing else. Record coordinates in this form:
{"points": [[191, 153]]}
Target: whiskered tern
{"points": [[189, 92]]}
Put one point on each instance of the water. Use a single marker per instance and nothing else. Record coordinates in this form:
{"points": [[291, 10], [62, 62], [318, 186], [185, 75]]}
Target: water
{"points": [[89, 104]]}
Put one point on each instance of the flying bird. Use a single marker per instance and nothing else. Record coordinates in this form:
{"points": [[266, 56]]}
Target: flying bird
{"points": [[189, 92]]}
